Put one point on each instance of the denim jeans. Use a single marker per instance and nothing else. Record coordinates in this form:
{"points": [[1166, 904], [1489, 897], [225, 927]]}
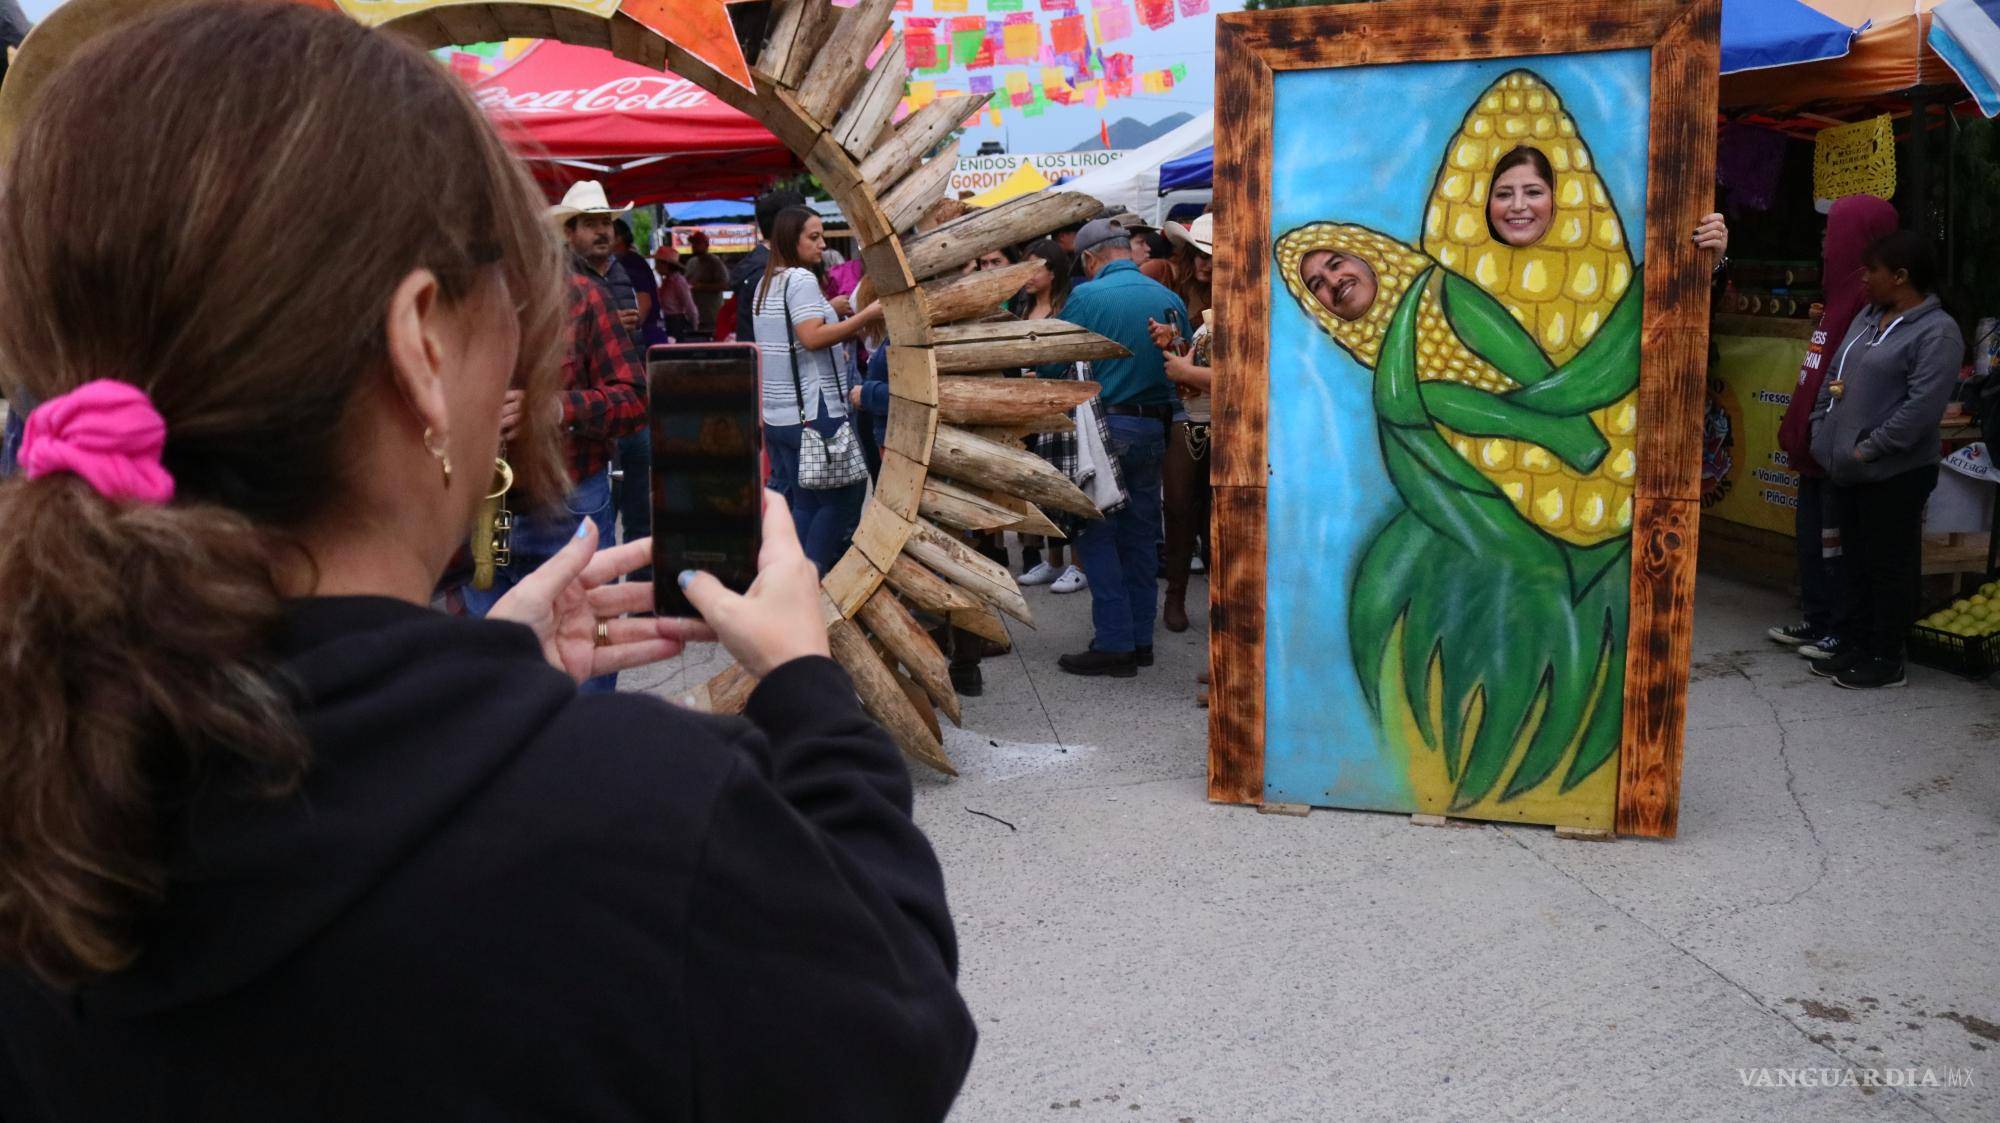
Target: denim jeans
{"points": [[634, 493], [826, 518], [538, 537], [1120, 553]]}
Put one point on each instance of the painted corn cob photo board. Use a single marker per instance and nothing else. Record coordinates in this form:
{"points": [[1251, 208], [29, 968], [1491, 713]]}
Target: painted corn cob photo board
{"points": [[1452, 270]]}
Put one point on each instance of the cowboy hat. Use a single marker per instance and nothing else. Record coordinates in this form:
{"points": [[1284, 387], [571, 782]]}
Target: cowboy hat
{"points": [[585, 196], [1200, 234], [1131, 221]]}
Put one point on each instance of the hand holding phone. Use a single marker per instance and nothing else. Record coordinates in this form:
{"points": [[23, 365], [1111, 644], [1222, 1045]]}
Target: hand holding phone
{"points": [[707, 478], [779, 619]]}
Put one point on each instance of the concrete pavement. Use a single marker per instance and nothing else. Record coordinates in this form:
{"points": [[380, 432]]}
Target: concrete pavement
{"points": [[1135, 953]]}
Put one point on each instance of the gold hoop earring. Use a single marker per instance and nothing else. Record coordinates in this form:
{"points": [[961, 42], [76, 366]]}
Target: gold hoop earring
{"points": [[438, 450]]}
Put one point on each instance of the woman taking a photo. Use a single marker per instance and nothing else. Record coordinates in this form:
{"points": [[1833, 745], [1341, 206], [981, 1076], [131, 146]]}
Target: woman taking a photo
{"points": [[808, 371], [1875, 431], [278, 841]]}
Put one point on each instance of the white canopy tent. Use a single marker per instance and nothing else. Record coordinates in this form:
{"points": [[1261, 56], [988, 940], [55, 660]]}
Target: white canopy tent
{"points": [[1132, 182]]}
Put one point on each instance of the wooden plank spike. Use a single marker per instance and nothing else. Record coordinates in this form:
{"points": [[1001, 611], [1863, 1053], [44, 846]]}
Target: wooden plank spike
{"points": [[920, 702], [726, 693], [1018, 343], [968, 295], [883, 698], [914, 139], [1032, 520], [868, 114], [948, 504], [524, 21], [912, 195], [982, 621], [422, 29], [1015, 221], [969, 569], [983, 463], [890, 623], [990, 401], [842, 65], [799, 28], [926, 590]]}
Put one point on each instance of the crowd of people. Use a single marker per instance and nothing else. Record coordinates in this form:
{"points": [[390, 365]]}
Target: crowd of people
{"points": [[824, 398]]}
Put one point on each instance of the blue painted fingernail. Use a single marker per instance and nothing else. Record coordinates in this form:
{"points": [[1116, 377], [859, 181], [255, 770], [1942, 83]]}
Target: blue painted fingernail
{"points": [[686, 578], [583, 529]]}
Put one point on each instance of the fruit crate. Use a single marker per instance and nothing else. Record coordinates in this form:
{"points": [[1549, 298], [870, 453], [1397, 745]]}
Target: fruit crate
{"points": [[1971, 656]]}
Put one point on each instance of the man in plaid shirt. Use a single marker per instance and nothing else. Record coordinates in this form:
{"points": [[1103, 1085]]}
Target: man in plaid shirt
{"points": [[602, 399]]}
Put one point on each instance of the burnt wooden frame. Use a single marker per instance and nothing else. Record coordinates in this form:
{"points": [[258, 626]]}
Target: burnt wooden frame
{"points": [[1250, 48]]}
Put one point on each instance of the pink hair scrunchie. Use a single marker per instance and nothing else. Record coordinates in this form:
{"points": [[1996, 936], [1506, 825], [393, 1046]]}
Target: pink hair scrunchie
{"points": [[105, 431]]}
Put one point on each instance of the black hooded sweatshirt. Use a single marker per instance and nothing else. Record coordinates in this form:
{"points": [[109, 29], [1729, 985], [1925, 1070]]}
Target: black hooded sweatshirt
{"points": [[493, 898]]}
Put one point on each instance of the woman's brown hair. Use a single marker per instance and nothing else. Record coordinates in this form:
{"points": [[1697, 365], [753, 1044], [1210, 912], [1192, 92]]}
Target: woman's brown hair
{"points": [[786, 230], [214, 204]]}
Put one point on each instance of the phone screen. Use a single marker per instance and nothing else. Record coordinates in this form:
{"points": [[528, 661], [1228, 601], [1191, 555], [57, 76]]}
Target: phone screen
{"points": [[707, 467]]}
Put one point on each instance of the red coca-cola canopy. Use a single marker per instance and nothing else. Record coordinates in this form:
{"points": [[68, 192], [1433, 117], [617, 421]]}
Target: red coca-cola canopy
{"points": [[583, 113]]}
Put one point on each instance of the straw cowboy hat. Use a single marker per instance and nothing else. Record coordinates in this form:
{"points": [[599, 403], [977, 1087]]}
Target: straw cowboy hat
{"points": [[585, 197], [1200, 234]]}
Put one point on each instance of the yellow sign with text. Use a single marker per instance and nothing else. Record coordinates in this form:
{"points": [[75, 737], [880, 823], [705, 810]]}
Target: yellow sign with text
{"points": [[1745, 477], [1857, 159]]}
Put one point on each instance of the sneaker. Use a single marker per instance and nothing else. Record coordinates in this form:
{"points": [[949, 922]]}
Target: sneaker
{"points": [[1797, 635], [1839, 664], [1093, 663], [1071, 581], [1826, 647], [1196, 565], [1042, 574], [1872, 674]]}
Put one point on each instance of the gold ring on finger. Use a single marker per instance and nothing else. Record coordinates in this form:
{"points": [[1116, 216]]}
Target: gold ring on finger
{"points": [[603, 632]]}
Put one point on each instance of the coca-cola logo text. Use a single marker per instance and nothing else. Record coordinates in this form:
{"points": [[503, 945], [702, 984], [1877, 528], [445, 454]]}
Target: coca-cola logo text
{"points": [[624, 95]]}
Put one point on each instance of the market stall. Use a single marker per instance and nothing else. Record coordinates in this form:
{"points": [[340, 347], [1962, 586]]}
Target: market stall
{"points": [[1883, 118], [582, 113]]}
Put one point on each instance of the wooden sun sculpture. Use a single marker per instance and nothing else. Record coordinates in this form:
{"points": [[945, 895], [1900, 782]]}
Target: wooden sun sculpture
{"points": [[953, 460]]}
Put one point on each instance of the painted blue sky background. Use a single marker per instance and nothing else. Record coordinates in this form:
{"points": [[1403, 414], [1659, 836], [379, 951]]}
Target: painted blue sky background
{"points": [[1364, 145]]}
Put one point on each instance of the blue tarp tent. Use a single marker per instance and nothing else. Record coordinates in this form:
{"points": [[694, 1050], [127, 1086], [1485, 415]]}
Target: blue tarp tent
{"points": [[1966, 35], [1759, 34], [1756, 34], [1196, 169]]}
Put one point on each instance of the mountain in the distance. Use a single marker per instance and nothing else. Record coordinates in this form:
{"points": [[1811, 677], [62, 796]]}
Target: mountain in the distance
{"points": [[1128, 133]]}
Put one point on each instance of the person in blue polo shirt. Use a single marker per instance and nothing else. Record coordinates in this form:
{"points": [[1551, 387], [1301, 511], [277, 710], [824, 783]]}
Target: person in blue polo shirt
{"points": [[1120, 553]]}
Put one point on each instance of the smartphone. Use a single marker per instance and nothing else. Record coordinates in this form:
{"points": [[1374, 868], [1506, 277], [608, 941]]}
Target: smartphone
{"points": [[708, 461]]}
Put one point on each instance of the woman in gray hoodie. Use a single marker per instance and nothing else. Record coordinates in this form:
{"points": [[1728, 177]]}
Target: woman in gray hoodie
{"points": [[1875, 430]]}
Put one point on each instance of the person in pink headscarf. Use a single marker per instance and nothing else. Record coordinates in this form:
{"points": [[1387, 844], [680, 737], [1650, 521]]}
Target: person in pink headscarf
{"points": [[1853, 223]]}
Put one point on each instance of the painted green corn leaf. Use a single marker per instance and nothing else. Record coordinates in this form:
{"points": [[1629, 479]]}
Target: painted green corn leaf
{"points": [[1512, 641]]}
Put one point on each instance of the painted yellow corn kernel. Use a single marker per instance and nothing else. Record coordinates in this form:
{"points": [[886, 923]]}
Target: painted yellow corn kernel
{"points": [[1625, 512], [1486, 269], [1535, 458], [1515, 490], [1626, 417], [1496, 454], [1624, 464], [1555, 333], [1545, 126], [1550, 508], [1468, 226]]}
